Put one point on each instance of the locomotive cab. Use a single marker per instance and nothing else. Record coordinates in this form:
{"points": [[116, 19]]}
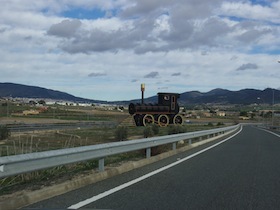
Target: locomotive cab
{"points": [[170, 100]]}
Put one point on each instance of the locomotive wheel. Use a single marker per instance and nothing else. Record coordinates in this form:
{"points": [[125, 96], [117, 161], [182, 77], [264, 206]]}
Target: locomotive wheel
{"points": [[178, 120], [163, 120], [148, 119]]}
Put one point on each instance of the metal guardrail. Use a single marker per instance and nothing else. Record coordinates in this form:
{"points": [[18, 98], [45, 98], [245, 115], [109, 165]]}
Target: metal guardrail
{"points": [[18, 164], [269, 126], [273, 127]]}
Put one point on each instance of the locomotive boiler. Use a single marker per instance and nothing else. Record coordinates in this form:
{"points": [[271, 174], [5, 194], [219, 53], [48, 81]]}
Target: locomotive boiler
{"points": [[163, 113]]}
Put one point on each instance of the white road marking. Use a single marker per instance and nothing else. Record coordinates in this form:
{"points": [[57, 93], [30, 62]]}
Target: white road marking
{"points": [[271, 132], [111, 191]]}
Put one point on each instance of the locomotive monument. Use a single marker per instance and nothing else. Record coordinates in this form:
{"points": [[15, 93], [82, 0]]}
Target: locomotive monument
{"points": [[163, 113]]}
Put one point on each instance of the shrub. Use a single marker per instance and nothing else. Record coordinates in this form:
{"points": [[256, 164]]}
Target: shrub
{"points": [[210, 124], [121, 133], [4, 132], [148, 132], [174, 129], [220, 123], [155, 129]]}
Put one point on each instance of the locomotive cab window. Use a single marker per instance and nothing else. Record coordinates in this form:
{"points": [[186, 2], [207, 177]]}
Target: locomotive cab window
{"points": [[173, 104], [166, 97]]}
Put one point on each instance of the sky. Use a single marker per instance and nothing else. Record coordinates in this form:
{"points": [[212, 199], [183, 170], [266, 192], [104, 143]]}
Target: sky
{"points": [[105, 49]]}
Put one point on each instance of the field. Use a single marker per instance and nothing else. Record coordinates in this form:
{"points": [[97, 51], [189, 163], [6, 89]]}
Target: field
{"points": [[33, 141]]}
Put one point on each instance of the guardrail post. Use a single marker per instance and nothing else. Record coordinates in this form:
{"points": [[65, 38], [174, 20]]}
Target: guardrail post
{"points": [[174, 145], [190, 141], [148, 152], [101, 164]]}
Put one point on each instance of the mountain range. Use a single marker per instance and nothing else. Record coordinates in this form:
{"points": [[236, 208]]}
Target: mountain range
{"points": [[223, 96], [26, 91], [216, 96]]}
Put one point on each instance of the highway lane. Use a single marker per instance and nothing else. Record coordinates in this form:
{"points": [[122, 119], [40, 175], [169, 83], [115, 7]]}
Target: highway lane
{"points": [[241, 173]]}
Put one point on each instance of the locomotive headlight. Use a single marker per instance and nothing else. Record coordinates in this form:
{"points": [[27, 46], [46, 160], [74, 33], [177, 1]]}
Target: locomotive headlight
{"points": [[142, 87]]}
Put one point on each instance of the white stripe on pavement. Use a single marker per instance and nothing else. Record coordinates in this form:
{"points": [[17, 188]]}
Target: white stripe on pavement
{"points": [[275, 134]]}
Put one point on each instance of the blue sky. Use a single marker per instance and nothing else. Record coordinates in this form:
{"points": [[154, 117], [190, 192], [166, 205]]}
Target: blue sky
{"points": [[105, 49], [80, 13]]}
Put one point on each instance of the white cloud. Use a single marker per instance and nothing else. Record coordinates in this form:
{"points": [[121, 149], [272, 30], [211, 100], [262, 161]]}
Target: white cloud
{"points": [[251, 11], [181, 45]]}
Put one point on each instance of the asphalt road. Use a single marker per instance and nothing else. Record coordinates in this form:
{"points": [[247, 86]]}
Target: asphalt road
{"points": [[241, 173]]}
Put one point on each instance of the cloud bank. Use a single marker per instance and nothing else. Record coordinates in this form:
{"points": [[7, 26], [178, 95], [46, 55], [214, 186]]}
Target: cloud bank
{"points": [[83, 47]]}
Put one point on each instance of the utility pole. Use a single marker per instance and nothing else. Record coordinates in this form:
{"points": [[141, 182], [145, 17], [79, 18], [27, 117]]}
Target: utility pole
{"points": [[7, 108], [272, 114]]}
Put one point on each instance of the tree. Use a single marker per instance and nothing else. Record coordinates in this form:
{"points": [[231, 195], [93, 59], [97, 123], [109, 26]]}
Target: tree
{"points": [[243, 114], [268, 114], [42, 102], [33, 103]]}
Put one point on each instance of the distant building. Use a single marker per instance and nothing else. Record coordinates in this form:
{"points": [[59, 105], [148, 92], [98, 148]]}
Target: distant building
{"points": [[244, 118], [221, 114], [31, 112]]}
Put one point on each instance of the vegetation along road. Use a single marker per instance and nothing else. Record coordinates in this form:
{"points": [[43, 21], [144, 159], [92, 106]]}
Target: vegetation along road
{"points": [[241, 172]]}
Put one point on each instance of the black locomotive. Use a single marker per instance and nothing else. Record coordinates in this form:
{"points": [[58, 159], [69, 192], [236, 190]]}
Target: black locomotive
{"points": [[163, 113]]}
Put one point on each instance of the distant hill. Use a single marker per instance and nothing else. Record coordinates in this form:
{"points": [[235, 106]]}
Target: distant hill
{"points": [[222, 96], [216, 96], [26, 91]]}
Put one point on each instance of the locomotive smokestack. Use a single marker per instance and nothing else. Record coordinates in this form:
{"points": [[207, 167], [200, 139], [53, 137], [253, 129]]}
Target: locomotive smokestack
{"points": [[142, 90]]}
